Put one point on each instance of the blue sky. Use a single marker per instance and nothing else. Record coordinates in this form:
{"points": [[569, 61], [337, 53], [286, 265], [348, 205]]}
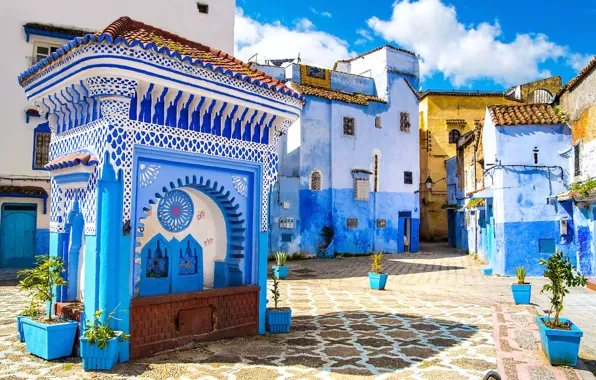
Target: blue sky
{"points": [[487, 44]]}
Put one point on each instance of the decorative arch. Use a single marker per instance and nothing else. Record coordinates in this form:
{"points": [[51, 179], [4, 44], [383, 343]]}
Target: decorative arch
{"points": [[316, 180], [234, 219], [541, 95]]}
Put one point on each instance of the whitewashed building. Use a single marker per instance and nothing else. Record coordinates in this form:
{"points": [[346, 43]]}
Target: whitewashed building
{"points": [[31, 32]]}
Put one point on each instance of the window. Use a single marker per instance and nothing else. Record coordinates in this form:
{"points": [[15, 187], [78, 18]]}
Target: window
{"points": [[381, 223], [454, 135], [376, 183], [286, 223], [203, 8], [41, 149], [352, 222], [404, 121], [42, 51], [408, 178], [349, 127], [547, 246], [361, 189], [577, 171], [378, 122], [316, 180], [535, 155], [286, 238]]}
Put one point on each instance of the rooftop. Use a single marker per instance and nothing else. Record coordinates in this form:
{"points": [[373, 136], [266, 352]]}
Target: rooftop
{"points": [[372, 51], [582, 74], [132, 33], [332, 94], [524, 114], [464, 93], [58, 30]]}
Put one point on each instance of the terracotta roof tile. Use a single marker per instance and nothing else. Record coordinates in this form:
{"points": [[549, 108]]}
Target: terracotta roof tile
{"points": [[331, 94], [74, 159], [526, 114], [582, 74], [65, 31], [133, 33]]}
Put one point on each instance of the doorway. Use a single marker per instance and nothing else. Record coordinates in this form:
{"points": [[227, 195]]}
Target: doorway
{"points": [[17, 236], [407, 234]]}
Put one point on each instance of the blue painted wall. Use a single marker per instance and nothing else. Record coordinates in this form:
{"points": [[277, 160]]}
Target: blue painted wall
{"points": [[42, 241], [584, 238], [286, 190]]}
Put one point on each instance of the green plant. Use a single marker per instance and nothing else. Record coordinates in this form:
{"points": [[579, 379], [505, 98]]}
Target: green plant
{"points": [[376, 266], [584, 189], [43, 279], [521, 274], [280, 258], [100, 333], [32, 310], [275, 290], [562, 275], [327, 234], [296, 256]]}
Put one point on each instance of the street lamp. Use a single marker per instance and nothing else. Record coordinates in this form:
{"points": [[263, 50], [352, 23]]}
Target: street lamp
{"points": [[429, 183]]}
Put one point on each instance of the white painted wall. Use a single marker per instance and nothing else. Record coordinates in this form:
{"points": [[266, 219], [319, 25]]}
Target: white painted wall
{"points": [[211, 226]]}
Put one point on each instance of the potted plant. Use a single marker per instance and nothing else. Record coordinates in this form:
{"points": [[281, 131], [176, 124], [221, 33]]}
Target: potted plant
{"points": [[100, 344], [280, 270], [46, 336], [31, 311], [522, 291], [279, 319], [559, 336], [376, 277]]}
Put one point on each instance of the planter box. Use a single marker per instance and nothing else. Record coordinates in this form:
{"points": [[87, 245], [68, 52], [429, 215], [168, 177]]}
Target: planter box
{"points": [[521, 293], [95, 358], [560, 346], [377, 281], [49, 341], [279, 321], [280, 272], [20, 327]]}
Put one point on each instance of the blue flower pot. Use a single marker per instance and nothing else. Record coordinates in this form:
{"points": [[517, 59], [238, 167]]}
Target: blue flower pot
{"points": [[560, 346], [377, 281], [521, 293], [49, 341], [20, 327], [280, 272], [95, 358], [279, 321]]}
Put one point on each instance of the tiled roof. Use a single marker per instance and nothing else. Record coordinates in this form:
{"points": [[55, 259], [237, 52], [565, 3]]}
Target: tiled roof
{"points": [[65, 31], [582, 74], [133, 33], [331, 94], [74, 159], [25, 190], [465, 93], [372, 51], [525, 114]]}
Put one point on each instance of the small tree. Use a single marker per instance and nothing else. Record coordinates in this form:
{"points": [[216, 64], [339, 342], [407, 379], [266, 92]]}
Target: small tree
{"points": [[562, 275], [376, 266], [42, 280], [275, 290]]}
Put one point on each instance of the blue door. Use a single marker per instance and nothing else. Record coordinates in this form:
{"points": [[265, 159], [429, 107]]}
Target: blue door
{"points": [[17, 238]]}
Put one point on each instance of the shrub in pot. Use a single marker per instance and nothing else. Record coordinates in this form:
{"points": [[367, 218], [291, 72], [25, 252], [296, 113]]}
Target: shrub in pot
{"points": [[376, 277], [48, 337], [31, 311], [100, 344], [560, 338], [280, 270], [279, 319], [522, 291]]}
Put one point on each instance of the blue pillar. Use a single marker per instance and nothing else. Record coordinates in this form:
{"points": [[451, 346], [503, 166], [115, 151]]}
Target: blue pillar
{"points": [[110, 230], [262, 278], [77, 225], [56, 249]]}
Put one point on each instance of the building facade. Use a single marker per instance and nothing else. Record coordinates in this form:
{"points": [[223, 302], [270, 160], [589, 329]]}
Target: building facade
{"points": [[162, 160], [34, 32], [578, 100], [349, 169], [444, 117]]}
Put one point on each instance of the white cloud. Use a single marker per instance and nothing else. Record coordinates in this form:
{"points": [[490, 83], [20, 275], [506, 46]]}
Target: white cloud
{"points": [[326, 14], [464, 53], [277, 41], [322, 13], [579, 61], [364, 37]]}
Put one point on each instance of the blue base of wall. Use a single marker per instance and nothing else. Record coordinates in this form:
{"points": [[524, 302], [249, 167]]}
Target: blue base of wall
{"points": [[42, 241], [486, 271]]}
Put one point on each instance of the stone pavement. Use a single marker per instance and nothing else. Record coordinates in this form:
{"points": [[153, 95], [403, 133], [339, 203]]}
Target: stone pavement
{"points": [[434, 321]]}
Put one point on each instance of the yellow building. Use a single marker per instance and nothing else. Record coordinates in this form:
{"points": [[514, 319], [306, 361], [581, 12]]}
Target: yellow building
{"points": [[444, 117]]}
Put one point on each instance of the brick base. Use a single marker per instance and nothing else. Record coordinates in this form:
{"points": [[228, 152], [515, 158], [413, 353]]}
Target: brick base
{"points": [[73, 311], [165, 322], [592, 284]]}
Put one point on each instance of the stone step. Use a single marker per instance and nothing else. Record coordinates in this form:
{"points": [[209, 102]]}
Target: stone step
{"points": [[592, 283]]}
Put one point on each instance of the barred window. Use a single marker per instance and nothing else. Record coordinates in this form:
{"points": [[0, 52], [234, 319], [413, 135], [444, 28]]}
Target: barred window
{"points": [[577, 171], [404, 121], [349, 126], [41, 149], [361, 189], [352, 222], [381, 223], [378, 122], [316, 180], [408, 178], [376, 179], [454, 135]]}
